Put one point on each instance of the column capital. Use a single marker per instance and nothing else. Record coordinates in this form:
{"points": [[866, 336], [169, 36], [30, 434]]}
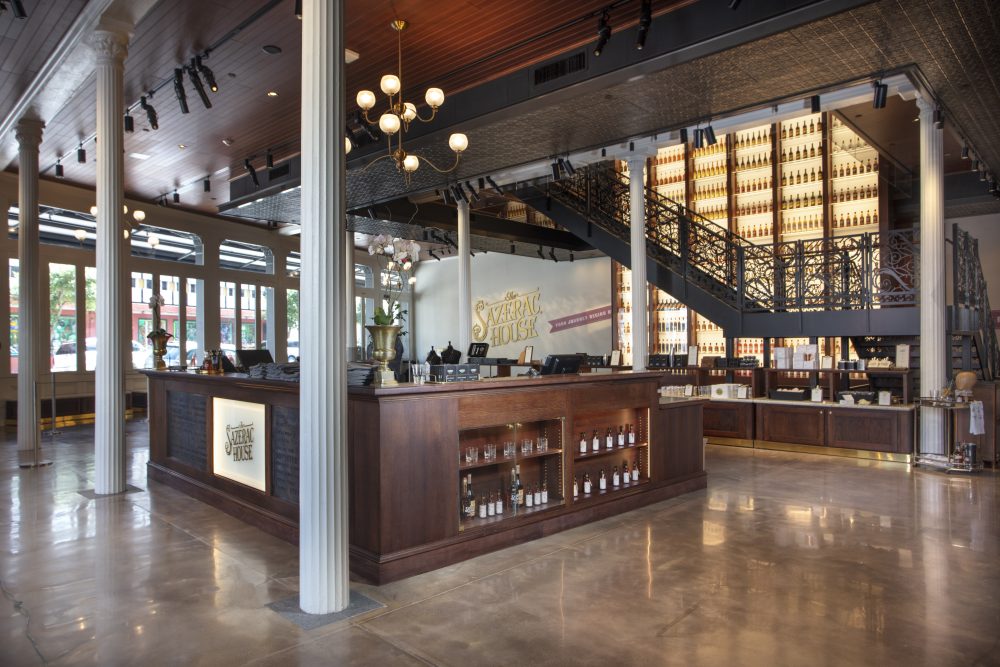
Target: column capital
{"points": [[926, 106], [28, 133], [636, 163], [110, 45]]}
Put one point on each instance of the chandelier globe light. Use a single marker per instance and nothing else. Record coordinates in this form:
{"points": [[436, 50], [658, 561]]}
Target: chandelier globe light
{"points": [[399, 114]]}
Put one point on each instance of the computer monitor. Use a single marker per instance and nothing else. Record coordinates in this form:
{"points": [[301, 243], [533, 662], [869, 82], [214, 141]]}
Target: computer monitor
{"points": [[562, 364], [250, 358]]}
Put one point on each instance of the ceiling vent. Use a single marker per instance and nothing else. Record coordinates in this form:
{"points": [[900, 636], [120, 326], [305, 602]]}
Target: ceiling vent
{"points": [[553, 71]]}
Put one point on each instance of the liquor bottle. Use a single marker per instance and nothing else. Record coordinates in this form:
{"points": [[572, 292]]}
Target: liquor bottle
{"points": [[491, 508], [513, 490], [616, 480], [583, 443], [545, 492], [537, 493], [463, 501], [603, 481], [576, 487], [596, 444], [588, 486], [470, 497], [529, 498], [626, 475], [482, 507], [609, 440], [635, 471], [631, 435], [621, 433], [520, 487], [499, 502]]}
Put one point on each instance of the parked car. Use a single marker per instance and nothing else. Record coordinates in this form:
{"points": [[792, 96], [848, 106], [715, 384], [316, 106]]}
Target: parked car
{"points": [[173, 355], [64, 358], [293, 350]]}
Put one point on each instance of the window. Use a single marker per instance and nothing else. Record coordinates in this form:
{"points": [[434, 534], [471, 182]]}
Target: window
{"points": [[246, 257], [12, 278], [90, 317], [248, 317], [293, 264], [292, 298], [228, 309], [142, 318], [167, 244], [62, 317]]}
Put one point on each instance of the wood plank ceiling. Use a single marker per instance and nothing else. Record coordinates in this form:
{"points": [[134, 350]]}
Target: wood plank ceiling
{"points": [[452, 44]]}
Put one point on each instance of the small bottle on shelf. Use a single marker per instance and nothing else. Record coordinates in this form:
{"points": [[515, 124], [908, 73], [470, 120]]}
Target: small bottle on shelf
{"points": [[588, 486], [621, 435], [545, 492], [470, 499], [513, 490], [635, 471], [609, 440], [603, 481], [529, 498], [583, 443], [537, 493], [626, 475], [491, 508], [631, 435], [482, 508], [518, 485], [616, 479], [499, 502], [576, 487]]}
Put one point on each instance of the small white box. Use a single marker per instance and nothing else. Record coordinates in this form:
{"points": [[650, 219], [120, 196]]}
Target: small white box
{"points": [[782, 357], [902, 356], [725, 390], [805, 357], [817, 395], [885, 398]]}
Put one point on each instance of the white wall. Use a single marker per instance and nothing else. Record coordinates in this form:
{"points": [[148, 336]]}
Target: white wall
{"points": [[566, 288]]}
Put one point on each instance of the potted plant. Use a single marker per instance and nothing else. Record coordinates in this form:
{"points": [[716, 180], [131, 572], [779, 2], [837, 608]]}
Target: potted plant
{"points": [[396, 258]]}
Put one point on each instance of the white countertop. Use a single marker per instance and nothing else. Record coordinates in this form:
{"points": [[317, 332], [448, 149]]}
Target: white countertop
{"points": [[806, 404]]}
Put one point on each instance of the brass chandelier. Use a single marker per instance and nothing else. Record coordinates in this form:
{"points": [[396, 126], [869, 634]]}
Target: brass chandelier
{"points": [[395, 120]]}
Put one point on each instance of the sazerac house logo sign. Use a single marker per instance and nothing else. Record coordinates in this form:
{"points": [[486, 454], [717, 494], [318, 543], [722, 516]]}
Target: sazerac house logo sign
{"points": [[511, 319], [238, 442]]}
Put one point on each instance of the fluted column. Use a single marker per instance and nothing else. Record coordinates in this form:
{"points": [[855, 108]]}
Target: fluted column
{"points": [[29, 136], [323, 564], [637, 207], [350, 332], [933, 295], [110, 47], [464, 279]]}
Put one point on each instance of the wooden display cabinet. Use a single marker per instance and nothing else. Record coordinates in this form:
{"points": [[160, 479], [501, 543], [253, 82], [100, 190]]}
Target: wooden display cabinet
{"points": [[606, 458], [538, 468]]}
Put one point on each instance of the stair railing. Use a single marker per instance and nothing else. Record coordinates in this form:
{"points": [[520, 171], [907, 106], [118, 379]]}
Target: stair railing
{"points": [[970, 294]]}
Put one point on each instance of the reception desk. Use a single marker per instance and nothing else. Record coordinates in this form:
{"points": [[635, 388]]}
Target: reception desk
{"points": [[232, 441]]}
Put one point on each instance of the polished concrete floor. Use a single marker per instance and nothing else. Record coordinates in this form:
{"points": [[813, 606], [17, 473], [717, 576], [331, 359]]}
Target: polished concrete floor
{"points": [[786, 559]]}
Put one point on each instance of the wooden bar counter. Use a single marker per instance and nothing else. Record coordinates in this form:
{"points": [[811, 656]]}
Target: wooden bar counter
{"points": [[407, 457]]}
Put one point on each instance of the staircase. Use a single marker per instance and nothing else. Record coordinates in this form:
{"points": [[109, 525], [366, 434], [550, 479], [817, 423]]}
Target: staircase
{"points": [[864, 284]]}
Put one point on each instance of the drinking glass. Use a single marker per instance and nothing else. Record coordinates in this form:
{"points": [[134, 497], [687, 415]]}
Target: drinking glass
{"points": [[508, 449], [471, 454], [526, 446], [491, 452], [543, 444]]}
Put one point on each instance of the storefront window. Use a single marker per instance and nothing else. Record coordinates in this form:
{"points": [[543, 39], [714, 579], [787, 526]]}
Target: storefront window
{"points": [[62, 318], [90, 317], [12, 278], [292, 319], [266, 330], [193, 330], [228, 312], [246, 257], [142, 317], [248, 317]]}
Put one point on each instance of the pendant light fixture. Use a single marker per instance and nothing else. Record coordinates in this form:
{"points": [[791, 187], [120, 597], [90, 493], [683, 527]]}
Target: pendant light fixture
{"points": [[395, 120]]}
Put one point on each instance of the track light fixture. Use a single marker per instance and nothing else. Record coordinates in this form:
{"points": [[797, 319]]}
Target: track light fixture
{"points": [[571, 255], [939, 118], [552, 254], [472, 192], [684, 135], [81, 154], [177, 197], [881, 94], [431, 253], [699, 137], [965, 152], [710, 136], [459, 194], [253, 173], [298, 9], [207, 185], [269, 159], [151, 116], [446, 197], [16, 6], [645, 19], [206, 73], [567, 167], [59, 169], [129, 122], [199, 87], [555, 171], [733, 4], [541, 253], [513, 249], [179, 90], [814, 104], [493, 184], [603, 31]]}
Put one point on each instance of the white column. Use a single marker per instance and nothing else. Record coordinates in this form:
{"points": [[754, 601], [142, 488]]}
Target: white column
{"points": [[464, 280], [323, 540], [933, 296], [637, 206], [30, 335], [110, 47]]}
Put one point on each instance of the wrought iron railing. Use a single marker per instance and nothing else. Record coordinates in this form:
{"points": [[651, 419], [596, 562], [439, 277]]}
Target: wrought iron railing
{"points": [[847, 272], [970, 294]]}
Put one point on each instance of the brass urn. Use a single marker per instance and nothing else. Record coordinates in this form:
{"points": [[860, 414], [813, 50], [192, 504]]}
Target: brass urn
{"points": [[159, 341], [384, 351]]}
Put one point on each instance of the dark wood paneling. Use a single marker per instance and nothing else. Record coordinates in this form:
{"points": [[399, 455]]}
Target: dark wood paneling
{"points": [[482, 408], [187, 428], [724, 419], [285, 453], [783, 423], [677, 447], [875, 430]]}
